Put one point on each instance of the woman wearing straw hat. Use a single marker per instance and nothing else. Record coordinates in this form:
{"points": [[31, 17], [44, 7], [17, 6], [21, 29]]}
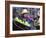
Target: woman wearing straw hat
{"points": [[25, 19]]}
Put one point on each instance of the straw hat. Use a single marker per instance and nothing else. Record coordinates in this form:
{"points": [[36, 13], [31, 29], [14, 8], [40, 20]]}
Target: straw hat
{"points": [[24, 11]]}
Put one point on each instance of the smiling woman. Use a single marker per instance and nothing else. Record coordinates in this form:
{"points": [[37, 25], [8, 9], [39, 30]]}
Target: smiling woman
{"points": [[24, 19]]}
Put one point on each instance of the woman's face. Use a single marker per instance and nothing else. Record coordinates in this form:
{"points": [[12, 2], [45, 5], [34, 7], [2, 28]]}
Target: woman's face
{"points": [[28, 15], [25, 15]]}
